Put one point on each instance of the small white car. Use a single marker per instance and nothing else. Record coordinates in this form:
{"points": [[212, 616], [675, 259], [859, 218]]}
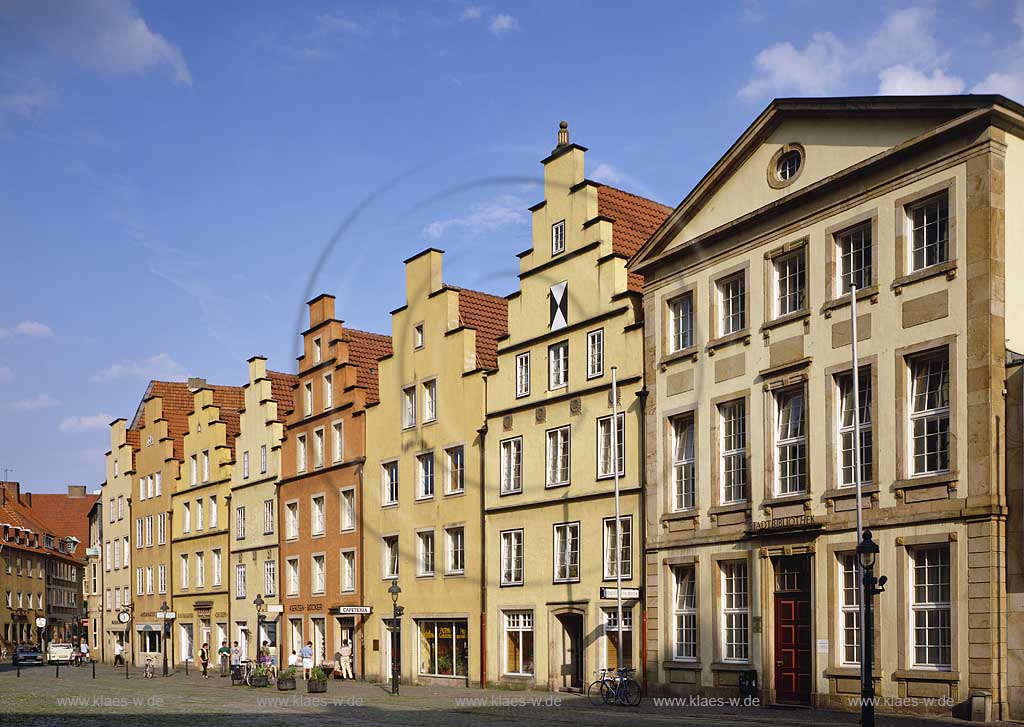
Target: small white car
{"points": [[59, 653]]}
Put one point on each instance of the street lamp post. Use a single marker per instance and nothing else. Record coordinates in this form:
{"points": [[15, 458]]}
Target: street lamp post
{"points": [[164, 608], [258, 603], [396, 643], [867, 552]]}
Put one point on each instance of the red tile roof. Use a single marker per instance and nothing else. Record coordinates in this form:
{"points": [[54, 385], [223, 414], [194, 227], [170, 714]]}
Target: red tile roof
{"points": [[488, 314], [66, 515], [176, 400], [635, 220], [365, 350], [281, 387], [229, 400], [18, 514]]}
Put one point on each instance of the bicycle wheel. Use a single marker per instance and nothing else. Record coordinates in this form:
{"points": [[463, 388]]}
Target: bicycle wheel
{"points": [[632, 693], [597, 692]]}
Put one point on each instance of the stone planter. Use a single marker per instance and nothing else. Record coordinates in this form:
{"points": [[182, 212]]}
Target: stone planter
{"points": [[260, 681], [316, 686], [286, 685]]}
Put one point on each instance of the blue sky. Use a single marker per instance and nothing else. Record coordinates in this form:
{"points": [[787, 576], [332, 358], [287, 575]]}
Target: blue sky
{"points": [[171, 172]]}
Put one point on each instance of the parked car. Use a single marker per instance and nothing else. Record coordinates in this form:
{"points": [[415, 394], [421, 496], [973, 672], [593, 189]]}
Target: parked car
{"points": [[59, 653], [28, 654]]}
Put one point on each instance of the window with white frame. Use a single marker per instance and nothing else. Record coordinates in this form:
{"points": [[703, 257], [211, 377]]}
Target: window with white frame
{"points": [[240, 522], [680, 315], [263, 459], [245, 464], [684, 607], [456, 458], [206, 465], [186, 517], [318, 448], [849, 609], [120, 500], [200, 520], [558, 456], [791, 282], [348, 570], [125, 548], [317, 351], [268, 517], [512, 465], [558, 237], [328, 391], [929, 232], [930, 607], [610, 618], [348, 509], [161, 528], [269, 577], [389, 480], [511, 557], [319, 573], [684, 490], [149, 531], [929, 413], [318, 516], [240, 580], [607, 457], [618, 556], [213, 511], [158, 484], [735, 611], [149, 579], [519, 642], [417, 336], [567, 552], [300, 453], [732, 301], [338, 441], [790, 442], [846, 427], [390, 557], [194, 468], [292, 571], [140, 582], [184, 571], [200, 570], [307, 399], [409, 406], [425, 559], [853, 249], [456, 548], [430, 400], [558, 365], [523, 374], [291, 520], [425, 469], [216, 562], [161, 578], [595, 353]]}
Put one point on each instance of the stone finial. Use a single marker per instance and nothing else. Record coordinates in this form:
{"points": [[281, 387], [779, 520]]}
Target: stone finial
{"points": [[563, 133]]}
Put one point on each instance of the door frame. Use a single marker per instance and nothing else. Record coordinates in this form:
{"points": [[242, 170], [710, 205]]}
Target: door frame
{"points": [[768, 584], [556, 651]]}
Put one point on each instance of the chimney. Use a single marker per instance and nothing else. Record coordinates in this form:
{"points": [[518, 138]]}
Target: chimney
{"points": [[196, 382], [321, 309], [76, 490], [563, 134]]}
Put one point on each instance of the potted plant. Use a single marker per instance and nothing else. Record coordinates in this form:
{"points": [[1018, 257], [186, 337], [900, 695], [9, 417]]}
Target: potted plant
{"points": [[286, 679], [260, 677], [317, 682]]}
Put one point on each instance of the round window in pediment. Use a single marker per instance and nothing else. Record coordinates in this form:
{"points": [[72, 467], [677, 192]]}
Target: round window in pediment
{"points": [[785, 166]]}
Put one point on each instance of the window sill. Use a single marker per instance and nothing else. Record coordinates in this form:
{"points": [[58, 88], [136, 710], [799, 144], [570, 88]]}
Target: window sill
{"points": [[942, 478], [424, 576], [455, 574], [505, 493], [687, 514], [564, 581], [849, 491], [511, 585], [731, 666], [851, 672], [555, 485], [455, 493], [610, 476], [424, 498], [947, 268], [730, 507], [829, 306], [926, 675], [786, 499], [799, 315], [682, 664], [716, 343], [690, 352]]}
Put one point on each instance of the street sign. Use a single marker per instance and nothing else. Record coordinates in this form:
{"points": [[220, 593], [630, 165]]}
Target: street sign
{"points": [[627, 593], [40, 623], [167, 615], [275, 608], [351, 610]]}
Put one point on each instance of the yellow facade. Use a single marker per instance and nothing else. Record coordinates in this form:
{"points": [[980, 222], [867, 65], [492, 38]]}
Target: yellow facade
{"points": [[547, 616], [115, 552], [431, 441]]}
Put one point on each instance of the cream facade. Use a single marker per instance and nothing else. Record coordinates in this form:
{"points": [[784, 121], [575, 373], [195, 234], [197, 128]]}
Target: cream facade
{"points": [[254, 570], [422, 512], [750, 502], [550, 528]]}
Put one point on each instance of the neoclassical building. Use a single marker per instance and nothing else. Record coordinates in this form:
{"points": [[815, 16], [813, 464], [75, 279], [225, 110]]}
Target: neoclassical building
{"points": [[751, 498]]}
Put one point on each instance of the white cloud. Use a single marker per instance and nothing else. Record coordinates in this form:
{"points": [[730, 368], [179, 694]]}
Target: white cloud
{"points": [[484, 217], [39, 401], [502, 22], [86, 423], [34, 329], [904, 38], [109, 37], [783, 68], [5, 375], [907, 81], [472, 12], [1009, 83], [161, 366], [26, 102]]}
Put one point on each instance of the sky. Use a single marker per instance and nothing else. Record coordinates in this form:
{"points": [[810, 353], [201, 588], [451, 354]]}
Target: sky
{"points": [[177, 179]]}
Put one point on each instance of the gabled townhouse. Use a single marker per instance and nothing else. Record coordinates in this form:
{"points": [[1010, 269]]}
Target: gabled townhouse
{"points": [[751, 515], [254, 570], [321, 487], [423, 488], [553, 555], [199, 525]]}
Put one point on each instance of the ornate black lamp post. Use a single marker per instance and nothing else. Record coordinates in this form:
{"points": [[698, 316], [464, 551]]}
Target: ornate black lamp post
{"points": [[164, 609], [258, 603], [867, 552], [396, 644]]}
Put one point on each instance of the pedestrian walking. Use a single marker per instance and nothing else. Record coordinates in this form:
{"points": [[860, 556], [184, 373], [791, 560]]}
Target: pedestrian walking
{"points": [[224, 657], [84, 653], [118, 654], [236, 656], [307, 659], [204, 659], [293, 659], [346, 660]]}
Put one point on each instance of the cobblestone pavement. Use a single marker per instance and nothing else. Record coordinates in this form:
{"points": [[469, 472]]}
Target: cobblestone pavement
{"points": [[39, 697]]}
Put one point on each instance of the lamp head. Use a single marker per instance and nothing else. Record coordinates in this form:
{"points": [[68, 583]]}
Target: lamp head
{"points": [[394, 591], [867, 551], [258, 603]]}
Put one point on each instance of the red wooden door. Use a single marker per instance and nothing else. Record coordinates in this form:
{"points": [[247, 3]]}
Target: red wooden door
{"points": [[793, 647]]}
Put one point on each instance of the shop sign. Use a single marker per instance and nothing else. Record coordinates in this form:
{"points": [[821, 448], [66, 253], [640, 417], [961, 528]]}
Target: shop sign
{"points": [[792, 522], [630, 594], [351, 610]]}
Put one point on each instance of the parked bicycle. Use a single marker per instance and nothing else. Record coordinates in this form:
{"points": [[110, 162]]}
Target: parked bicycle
{"points": [[615, 686]]}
